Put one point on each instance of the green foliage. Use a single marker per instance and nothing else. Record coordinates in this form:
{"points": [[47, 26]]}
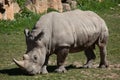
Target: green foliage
{"points": [[50, 10], [22, 20], [97, 6], [21, 3], [25, 14], [24, 11]]}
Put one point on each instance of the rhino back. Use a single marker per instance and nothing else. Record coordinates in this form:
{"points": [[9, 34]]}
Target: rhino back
{"points": [[73, 28], [77, 28]]}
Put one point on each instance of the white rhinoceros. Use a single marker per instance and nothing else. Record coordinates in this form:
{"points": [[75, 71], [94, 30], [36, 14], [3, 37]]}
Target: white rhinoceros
{"points": [[61, 33]]}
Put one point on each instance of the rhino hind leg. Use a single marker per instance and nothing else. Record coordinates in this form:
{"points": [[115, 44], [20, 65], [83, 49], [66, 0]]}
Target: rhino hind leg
{"points": [[103, 60], [61, 56], [102, 43], [90, 57]]}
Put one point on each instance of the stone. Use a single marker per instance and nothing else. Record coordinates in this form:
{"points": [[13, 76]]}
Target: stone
{"points": [[38, 6], [69, 5], [41, 6], [68, 1], [55, 4], [9, 13], [66, 7], [7, 9], [16, 7], [73, 4]]}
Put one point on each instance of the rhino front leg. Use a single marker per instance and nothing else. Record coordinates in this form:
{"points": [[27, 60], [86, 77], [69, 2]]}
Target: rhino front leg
{"points": [[90, 57], [44, 67], [61, 56]]}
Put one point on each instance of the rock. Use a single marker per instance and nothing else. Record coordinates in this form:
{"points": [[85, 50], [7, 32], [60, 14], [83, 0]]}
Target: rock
{"points": [[16, 7], [69, 4], [41, 6], [73, 4], [9, 13], [38, 6], [68, 1], [7, 9], [66, 7], [55, 4]]}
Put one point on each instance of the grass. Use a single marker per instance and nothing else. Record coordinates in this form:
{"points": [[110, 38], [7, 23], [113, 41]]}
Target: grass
{"points": [[96, 5], [12, 44]]}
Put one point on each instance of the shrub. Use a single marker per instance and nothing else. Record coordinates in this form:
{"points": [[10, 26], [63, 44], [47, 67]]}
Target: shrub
{"points": [[95, 5], [21, 3]]}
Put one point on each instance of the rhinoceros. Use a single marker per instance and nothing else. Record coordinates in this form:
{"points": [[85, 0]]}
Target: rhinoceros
{"points": [[63, 33]]}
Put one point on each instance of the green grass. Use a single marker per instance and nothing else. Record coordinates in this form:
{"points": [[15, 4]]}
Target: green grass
{"points": [[97, 6], [12, 44]]}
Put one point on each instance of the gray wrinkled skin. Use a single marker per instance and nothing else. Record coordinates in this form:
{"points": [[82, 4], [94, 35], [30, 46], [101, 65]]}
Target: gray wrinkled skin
{"points": [[63, 33]]}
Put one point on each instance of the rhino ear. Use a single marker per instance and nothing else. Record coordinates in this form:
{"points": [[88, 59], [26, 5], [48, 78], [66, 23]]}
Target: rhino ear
{"points": [[26, 32], [39, 36]]}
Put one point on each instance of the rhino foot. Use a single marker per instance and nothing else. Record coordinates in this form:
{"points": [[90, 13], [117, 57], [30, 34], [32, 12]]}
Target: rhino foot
{"points": [[61, 70], [44, 70], [103, 66], [87, 66]]}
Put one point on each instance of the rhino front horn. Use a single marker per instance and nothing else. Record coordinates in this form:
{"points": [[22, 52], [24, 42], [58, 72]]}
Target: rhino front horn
{"points": [[19, 63]]}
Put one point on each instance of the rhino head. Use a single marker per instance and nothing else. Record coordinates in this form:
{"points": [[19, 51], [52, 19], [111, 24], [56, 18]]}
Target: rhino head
{"points": [[34, 58]]}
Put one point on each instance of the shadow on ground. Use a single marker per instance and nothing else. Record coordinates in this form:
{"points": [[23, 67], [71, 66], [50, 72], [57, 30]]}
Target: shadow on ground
{"points": [[13, 71], [18, 71]]}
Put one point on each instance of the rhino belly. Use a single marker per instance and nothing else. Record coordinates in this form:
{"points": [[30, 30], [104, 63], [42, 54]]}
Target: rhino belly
{"points": [[84, 41]]}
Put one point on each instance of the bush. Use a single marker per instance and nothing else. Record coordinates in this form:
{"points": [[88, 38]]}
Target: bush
{"points": [[21, 3], [95, 5], [50, 10]]}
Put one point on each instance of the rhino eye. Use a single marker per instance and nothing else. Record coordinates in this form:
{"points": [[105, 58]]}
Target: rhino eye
{"points": [[35, 57]]}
